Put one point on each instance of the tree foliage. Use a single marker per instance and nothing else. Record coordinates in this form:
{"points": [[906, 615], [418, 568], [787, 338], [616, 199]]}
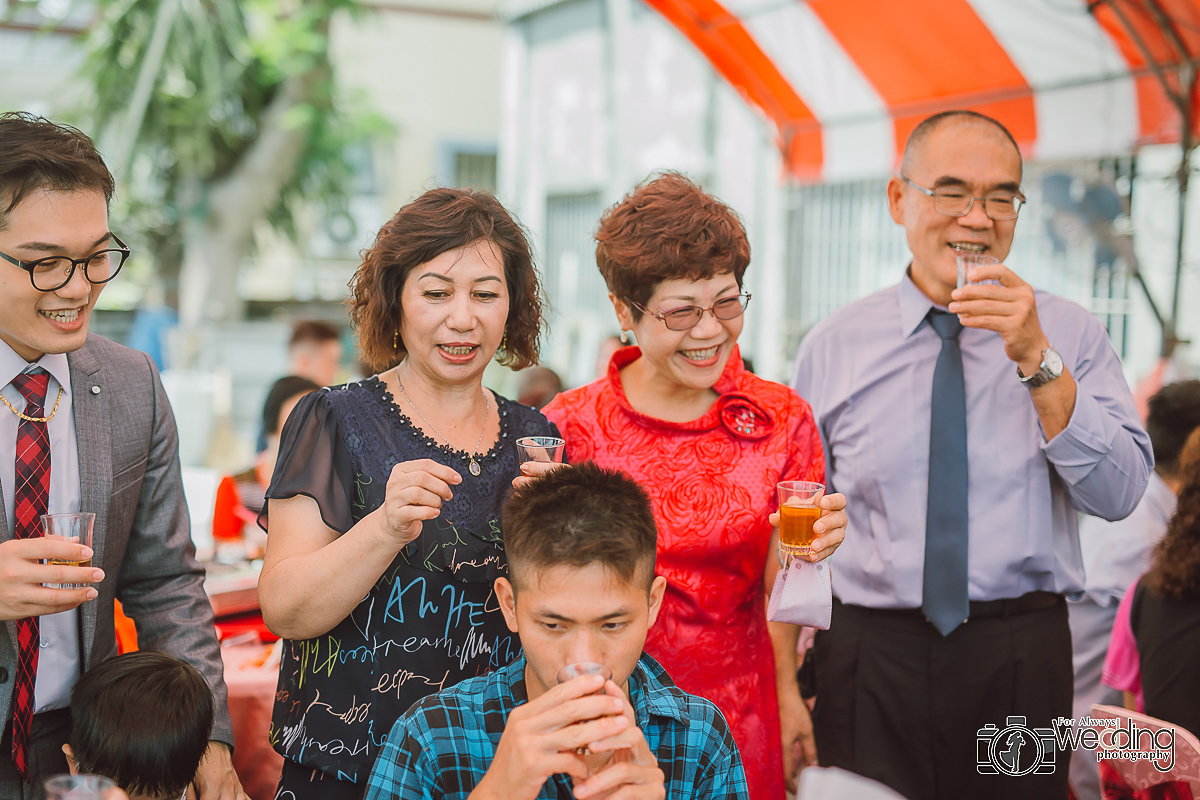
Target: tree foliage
{"points": [[244, 123]]}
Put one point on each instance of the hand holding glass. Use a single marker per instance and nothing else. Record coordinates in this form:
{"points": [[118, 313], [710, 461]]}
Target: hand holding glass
{"points": [[572, 671], [74, 528], [799, 508]]}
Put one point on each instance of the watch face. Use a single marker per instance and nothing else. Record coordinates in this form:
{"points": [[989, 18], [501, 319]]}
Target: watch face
{"points": [[1053, 361]]}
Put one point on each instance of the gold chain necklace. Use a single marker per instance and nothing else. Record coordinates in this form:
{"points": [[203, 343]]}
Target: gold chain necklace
{"points": [[474, 465], [27, 418]]}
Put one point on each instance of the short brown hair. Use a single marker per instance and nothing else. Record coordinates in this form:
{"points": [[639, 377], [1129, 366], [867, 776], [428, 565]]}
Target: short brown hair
{"points": [[1172, 414], [668, 228], [39, 154], [577, 516], [437, 222], [313, 330]]}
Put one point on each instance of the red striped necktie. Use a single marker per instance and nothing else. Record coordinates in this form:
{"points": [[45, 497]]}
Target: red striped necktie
{"points": [[30, 499]]}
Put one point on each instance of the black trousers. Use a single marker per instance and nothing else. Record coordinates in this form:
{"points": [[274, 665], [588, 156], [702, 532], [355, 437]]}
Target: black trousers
{"points": [[899, 703], [48, 732]]}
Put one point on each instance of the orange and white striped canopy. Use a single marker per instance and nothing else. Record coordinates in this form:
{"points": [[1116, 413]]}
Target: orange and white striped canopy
{"points": [[845, 81]]}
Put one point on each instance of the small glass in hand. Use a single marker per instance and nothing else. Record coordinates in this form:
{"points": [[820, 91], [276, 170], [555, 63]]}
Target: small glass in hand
{"points": [[571, 671], [799, 508], [76, 528], [548, 449], [965, 261]]}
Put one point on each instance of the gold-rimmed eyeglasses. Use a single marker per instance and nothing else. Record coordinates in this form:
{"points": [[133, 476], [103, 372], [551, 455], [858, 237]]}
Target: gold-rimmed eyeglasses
{"points": [[688, 317], [957, 202], [54, 272]]}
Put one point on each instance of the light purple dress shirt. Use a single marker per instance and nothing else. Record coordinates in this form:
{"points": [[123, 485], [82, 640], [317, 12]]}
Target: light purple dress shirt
{"points": [[58, 661], [867, 371]]}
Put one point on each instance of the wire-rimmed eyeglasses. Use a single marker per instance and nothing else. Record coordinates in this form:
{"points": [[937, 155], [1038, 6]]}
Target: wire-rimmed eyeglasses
{"points": [[688, 317], [54, 272], [955, 202]]}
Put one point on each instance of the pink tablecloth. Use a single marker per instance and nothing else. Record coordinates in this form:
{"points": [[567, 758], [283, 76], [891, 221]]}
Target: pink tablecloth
{"points": [[251, 695]]}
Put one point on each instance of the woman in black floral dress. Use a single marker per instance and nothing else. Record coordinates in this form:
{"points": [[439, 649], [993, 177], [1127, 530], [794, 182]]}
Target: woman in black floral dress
{"points": [[383, 513]]}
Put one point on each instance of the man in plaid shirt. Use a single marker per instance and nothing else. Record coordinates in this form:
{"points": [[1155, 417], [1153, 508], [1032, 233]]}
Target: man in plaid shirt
{"points": [[580, 542]]}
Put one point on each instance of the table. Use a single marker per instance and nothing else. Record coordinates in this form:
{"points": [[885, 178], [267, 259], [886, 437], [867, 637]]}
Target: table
{"points": [[251, 697]]}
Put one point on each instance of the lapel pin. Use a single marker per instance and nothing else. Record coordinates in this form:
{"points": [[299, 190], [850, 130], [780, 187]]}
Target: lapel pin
{"points": [[95, 390]]}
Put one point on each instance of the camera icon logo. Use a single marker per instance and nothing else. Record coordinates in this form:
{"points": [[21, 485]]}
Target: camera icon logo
{"points": [[1015, 749]]}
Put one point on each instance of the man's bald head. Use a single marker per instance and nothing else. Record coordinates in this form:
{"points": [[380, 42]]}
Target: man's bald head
{"points": [[921, 133]]}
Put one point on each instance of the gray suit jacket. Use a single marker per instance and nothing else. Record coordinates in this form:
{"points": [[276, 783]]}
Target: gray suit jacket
{"points": [[129, 476]]}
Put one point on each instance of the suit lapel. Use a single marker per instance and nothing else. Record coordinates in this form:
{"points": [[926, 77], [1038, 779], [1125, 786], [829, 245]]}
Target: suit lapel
{"points": [[93, 439]]}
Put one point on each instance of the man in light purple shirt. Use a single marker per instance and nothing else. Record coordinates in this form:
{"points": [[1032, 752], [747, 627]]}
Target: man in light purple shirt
{"points": [[1051, 430]]}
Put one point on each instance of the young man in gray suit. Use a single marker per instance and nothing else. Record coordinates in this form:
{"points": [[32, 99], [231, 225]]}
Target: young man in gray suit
{"points": [[84, 427]]}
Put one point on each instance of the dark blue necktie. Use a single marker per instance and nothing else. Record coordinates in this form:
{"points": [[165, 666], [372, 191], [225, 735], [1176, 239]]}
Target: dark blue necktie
{"points": [[944, 588]]}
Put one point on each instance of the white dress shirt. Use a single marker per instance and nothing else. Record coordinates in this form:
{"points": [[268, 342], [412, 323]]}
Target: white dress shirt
{"points": [[58, 662]]}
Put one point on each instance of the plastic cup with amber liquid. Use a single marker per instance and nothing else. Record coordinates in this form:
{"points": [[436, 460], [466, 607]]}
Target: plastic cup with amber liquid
{"points": [[799, 509]]}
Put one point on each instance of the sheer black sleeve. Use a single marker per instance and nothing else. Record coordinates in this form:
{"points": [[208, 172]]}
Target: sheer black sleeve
{"points": [[313, 461]]}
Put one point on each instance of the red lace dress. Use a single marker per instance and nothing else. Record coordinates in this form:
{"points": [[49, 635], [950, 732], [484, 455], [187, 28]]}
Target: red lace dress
{"points": [[712, 482]]}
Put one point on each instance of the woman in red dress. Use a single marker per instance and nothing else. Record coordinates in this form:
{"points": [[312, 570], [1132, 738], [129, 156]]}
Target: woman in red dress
{"points": [[709, 441]]}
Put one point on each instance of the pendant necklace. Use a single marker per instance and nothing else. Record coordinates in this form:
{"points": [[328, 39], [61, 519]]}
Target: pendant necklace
{"points": [[474, 465]]}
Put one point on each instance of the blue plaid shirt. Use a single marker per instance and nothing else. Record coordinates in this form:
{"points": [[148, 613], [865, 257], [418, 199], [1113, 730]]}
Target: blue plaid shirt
{"points": [[443, 745]]}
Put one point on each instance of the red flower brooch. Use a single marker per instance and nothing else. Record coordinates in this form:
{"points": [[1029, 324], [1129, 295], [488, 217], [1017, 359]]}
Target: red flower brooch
{"points": [[744, 418]]}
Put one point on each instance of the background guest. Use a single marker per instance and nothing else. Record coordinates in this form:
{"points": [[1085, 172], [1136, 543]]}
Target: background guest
{"points": [[708, 441], [537, 386], [1115, 554], [383, 515], [315, 351], [1165, 613]]}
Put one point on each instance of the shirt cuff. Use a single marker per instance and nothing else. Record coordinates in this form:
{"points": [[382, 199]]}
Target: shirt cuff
{"points": [[1084, 443]]}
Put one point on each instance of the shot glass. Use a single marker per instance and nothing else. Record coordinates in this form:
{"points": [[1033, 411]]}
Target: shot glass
{"points": [[571, 671], [798, 509], [967, 260], [79, 787], [75, 528], [540, 448]]}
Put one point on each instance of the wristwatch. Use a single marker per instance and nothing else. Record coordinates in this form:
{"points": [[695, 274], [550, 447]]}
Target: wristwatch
{"points": [[1050, 368]]}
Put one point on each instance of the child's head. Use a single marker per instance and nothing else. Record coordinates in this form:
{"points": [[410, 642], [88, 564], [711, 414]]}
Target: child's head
{"points": [[143, 720], [580, 542]]}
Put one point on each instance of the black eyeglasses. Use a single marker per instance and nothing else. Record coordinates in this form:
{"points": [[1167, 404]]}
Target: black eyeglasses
{"points": [[959, 202], [688, 317], [54, 272]]}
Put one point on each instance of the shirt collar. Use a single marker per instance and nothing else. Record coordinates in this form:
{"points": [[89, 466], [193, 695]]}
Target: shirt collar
{"points": [[12, 365], [651, 690], [914, 304]]}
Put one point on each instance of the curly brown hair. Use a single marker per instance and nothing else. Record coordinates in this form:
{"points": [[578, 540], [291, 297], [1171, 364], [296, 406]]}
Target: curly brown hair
{"points": [[437, 222], [668, 228], [1175, 569]]}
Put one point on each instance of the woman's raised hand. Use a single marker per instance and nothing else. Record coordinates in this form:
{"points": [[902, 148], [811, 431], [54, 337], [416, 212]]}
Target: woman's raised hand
{"points": [[415, 492]]}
